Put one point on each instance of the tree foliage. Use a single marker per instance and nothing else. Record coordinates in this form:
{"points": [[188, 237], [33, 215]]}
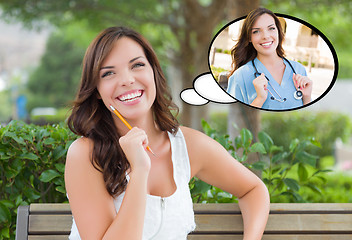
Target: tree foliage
{"points": [[332, 18], [184, 28], [54, 83]]}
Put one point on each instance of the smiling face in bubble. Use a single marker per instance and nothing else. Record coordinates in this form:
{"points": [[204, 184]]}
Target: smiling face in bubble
{"points": [[264, 35]]}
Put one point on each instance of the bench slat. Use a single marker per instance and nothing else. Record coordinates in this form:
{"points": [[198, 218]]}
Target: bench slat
{"points": [[221, 223], [226, 237], [220, 207], [277, 208], [48, 237], [272, 237], [287, 222], [49, 224]]}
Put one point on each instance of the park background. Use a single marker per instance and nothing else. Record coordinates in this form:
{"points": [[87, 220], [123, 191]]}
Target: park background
{"points": [[302, 156]]}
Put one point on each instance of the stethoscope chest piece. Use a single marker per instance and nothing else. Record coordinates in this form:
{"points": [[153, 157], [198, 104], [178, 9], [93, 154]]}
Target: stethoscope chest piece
{"points": [[298, 94]]}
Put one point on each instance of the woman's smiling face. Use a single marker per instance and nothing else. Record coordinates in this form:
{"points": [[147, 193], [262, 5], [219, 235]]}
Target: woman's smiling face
{"points": [[264, 35], [126, 79]]}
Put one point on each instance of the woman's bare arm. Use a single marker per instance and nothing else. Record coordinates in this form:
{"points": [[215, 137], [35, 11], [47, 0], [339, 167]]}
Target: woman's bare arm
{"points": [[213, 164], [92, 206]]}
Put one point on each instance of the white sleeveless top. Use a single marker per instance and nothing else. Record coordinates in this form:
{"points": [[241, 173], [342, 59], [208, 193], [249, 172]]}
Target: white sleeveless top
{"points": [[167, 218]]}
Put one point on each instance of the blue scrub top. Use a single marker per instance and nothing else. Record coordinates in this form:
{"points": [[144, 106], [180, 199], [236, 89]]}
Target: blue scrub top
{"points": [[242, 88]]}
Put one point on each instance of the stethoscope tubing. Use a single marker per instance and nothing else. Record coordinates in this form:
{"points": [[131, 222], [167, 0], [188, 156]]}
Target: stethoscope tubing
{"points": [[297, 94]]}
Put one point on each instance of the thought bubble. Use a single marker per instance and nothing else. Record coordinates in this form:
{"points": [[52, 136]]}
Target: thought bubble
{"points": [[205, 89], [304, 45]]}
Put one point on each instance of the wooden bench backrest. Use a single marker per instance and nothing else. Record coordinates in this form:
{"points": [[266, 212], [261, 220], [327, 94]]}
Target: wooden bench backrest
{"points": [[214, 222]]}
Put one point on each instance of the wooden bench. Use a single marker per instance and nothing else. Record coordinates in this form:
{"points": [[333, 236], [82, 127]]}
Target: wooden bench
{"points": [[321, 221]]}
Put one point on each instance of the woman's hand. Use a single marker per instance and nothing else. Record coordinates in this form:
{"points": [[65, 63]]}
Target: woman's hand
{"points": [[134, 145], [261, 87], [304, 84]]}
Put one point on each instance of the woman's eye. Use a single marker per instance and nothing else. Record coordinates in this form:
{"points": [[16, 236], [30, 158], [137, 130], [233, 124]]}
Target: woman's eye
{"points": [[254, 32], [272, 28], [109, 73], [138, 65]]}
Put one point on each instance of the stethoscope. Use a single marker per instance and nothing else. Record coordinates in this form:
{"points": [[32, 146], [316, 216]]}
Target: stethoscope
{"points": [[297, 94]]}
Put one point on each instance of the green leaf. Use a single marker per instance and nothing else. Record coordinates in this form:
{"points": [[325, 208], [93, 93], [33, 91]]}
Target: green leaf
{"points": [[49, 175], [302, 172], [238, 142], [266, 140], [322, 171], [12, 135], [60, 167], [315, 142], [5, 232], [18, 200], [294, 143], [17, 164], [10, 173], [279, 156], [313, 188], [59, 152], [246, 137], [295, 195], [275, 149], [307, 158], [260, 165], [8, 203], [56, 136], [200, 187], [291, 184], [4, 156], [207, 128], [29, 155], [258, 147], [5, 215], [275, 170], [61, 189], [31, 194], [49, 141]]}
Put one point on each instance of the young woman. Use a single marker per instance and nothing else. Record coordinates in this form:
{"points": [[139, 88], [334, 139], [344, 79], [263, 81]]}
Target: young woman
{"points": [[261, 76], [118, 189]]}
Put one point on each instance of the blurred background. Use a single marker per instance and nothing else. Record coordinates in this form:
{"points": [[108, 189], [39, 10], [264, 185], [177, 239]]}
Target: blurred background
{"points": [[42, 44], [302, 156]]}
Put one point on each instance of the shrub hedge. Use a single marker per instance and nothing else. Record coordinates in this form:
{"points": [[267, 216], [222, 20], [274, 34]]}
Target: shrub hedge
{"points": [[32, 162], [32, 169]]}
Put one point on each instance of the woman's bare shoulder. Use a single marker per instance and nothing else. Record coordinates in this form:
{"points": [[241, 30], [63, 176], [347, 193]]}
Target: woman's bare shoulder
{"points": [[80, 149], [79, 157], [199, 147], [194, 137]]}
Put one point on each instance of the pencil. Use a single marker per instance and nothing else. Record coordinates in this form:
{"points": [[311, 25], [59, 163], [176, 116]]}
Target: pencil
{"points": [[127, 124]]}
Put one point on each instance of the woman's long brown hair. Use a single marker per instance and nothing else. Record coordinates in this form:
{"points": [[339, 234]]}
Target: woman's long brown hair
{"points": [[91, 118], [244, 51]]}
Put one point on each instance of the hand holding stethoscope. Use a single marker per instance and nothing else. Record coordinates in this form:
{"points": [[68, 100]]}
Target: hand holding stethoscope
{"points": [[261, 86], [304, 85]]}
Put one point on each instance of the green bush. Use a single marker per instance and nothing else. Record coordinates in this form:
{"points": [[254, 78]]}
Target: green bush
{"points": [[32, 165], [284, 170], [326, 127]]}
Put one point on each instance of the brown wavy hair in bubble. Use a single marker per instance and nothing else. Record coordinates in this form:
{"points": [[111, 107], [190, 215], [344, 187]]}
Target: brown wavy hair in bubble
{"points": [[90, 118], [244, 51]]}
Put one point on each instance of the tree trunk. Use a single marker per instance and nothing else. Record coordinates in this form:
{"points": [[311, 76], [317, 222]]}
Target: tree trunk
{"points": [[239, 114]]}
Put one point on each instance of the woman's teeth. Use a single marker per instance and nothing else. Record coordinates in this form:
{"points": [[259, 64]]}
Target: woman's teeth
{"points": [[130, 97], [266, 44]]}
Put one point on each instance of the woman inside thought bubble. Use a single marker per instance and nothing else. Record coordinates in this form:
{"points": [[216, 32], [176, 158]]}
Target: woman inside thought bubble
{"points": [[119, 190], [261, 76]]}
